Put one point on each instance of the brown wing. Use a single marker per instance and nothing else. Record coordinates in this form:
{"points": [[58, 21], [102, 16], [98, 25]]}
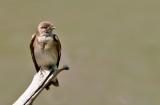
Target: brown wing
{"points": [[58, 46], [32, 53]]}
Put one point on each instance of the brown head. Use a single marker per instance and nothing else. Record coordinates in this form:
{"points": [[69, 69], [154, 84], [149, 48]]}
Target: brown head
{"points": [[45, 27]]}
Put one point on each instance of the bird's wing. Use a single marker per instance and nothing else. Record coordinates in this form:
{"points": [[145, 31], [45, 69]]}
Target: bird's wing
{"points": [[58, 47], [32, 52]]}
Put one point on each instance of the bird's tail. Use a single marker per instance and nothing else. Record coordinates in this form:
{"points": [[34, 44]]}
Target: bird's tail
{"points": [[53, 82]]}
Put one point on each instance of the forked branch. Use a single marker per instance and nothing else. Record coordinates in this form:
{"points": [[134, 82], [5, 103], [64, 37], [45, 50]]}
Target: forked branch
{"points": [[40, 80]]}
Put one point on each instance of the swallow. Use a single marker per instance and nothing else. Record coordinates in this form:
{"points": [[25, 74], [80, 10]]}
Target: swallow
{"points": [[45, 49]]}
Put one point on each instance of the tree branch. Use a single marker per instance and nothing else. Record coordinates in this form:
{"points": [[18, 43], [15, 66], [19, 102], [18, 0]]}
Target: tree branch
{"points": [[40, 80]]}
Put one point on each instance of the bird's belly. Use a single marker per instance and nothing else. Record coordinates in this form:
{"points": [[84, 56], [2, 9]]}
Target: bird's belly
{"points": [[45, 58]]}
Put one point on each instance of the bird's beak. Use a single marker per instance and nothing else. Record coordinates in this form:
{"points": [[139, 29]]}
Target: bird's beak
{"points": [[53, 27]]}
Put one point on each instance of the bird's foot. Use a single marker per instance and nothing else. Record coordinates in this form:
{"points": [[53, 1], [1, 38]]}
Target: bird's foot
{"points": [[42, 72]]}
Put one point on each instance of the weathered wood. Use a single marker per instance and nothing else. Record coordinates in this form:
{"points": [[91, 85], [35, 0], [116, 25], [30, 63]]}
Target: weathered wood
{"points": [[40, 80]]}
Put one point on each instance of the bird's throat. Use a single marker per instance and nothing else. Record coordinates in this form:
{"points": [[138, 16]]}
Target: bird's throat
{"points": [[44, 39]]}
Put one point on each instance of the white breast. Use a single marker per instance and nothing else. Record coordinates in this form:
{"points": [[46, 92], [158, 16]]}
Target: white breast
{"points": [[47, 55]]}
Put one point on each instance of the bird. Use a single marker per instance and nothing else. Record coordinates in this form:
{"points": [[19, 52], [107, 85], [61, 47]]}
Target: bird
{"points": [[45, 49]]}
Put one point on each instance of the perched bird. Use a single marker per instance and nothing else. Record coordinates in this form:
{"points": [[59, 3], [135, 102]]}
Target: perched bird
{"points": [[45, 49]]}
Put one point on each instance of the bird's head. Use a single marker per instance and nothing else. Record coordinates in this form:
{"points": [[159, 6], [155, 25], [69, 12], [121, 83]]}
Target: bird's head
{"points": [[45, 28]]}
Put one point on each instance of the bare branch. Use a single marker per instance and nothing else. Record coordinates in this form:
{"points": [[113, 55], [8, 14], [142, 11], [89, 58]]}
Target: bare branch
{"points": [[40, 80]]}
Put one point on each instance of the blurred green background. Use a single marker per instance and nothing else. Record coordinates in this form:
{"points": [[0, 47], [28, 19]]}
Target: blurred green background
{"points": [[112, 47]]}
